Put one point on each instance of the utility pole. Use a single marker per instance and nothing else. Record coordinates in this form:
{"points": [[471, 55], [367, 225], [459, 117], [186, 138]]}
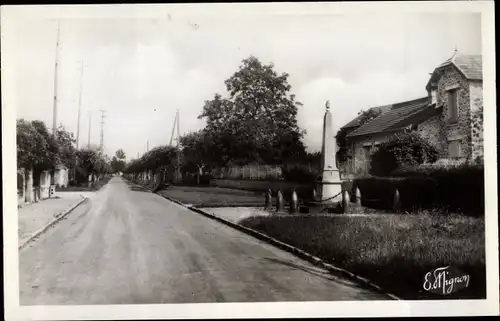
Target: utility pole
{"points": [[79, 109], [103, 115], [147, 145], [54, 119], [178, 172], [173, 127], [90, 124], [178, 138]]}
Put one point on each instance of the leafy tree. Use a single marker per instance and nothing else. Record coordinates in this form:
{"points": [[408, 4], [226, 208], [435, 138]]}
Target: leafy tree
{"points": [[29, 144], [67, 151], [49, 152], [158, 158], [258, 122], [117, 165], [37, 150], [198, 152], [404, 148], [120, 154], [92, 162], [368, 115]]}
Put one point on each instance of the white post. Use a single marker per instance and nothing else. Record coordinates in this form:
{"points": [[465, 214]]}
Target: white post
{"points": [[330, 181], [29, 187]]}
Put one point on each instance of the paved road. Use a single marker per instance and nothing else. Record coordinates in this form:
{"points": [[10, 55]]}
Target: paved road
{"points": [[129, 246]]}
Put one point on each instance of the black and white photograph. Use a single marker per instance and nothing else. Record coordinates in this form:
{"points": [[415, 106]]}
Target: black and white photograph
{"points": [[249, 160]]}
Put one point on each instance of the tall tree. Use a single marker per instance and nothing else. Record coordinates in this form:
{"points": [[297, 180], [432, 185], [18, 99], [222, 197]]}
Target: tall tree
{"points": [[258, 123]]}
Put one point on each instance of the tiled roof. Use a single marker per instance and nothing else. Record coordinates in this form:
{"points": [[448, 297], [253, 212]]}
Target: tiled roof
{"points": [[401, 115], [355, 122], [470, 65]]}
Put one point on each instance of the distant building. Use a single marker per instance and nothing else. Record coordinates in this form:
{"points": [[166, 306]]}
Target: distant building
{"points": [[61, 176], [445, 117]]}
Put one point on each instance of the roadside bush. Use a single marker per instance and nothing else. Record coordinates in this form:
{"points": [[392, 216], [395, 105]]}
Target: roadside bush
{"points": [[407, 148], [376, 192], [455, 189], [205, 179]]}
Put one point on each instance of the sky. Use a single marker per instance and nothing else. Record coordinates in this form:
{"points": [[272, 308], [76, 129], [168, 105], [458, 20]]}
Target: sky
{"points": [[141, 70]]}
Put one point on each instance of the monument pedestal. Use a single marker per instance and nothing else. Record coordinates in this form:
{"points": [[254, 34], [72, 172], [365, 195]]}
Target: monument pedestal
{"points": [[329, 189]]}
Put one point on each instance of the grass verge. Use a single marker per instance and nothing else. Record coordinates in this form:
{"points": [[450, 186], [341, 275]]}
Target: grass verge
{"points": [[213, 196], [394, 251]]}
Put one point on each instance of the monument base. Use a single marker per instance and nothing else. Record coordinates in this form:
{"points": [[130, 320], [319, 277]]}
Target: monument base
{"points": [[329, 189], [328, 198], [330, 192]]}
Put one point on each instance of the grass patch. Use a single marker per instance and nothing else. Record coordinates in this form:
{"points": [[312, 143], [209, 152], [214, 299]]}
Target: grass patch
{"points": [[394, 251], [211, 196]]}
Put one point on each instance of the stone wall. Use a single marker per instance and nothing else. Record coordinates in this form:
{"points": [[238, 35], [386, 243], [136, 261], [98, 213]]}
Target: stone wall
{"points": [[476, 106], [432, 131], [452, 78], [360, 162]]}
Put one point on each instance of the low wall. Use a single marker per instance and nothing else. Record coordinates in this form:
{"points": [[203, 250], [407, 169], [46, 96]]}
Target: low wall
{"points": [[303, 190]]}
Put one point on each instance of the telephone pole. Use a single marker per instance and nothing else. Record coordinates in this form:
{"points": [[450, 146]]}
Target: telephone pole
{"points": [[177, 175], [103, 115], [90, 124], [173, 128], [54, 119], [79, 109]]}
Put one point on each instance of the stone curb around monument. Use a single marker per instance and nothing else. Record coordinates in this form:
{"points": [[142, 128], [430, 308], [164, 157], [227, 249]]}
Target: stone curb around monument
{"points": [[287, 247], [56, 219]]}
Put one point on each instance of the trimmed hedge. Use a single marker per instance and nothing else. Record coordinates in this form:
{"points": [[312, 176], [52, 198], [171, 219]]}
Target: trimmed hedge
{"points": [[458, 189], [299, 175]]}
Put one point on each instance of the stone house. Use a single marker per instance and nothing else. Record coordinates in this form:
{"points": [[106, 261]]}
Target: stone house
{"points": [[449, 117]]}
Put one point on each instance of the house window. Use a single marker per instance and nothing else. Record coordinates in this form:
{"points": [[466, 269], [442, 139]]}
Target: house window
{"points": [[433, 96], [452, 107], [454, 149]]}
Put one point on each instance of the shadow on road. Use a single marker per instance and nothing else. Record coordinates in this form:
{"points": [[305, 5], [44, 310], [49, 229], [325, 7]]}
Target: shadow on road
{"points": [[134, 187]]}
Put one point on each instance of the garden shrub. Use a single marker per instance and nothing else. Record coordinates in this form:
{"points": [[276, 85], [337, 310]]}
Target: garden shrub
{"points": [[406, 148]]}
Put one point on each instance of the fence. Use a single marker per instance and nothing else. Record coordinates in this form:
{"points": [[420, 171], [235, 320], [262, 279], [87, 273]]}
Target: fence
{"points": [[254, 171]]}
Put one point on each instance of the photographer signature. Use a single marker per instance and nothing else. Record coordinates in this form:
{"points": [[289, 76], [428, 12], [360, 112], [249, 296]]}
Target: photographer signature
{"points": [[445, 280]]}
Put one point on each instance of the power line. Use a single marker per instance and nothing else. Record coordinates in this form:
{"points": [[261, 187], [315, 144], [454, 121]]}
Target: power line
{"points": [[79, 109], [90, 124], [173, 127], [54, 119], [103, 115]]}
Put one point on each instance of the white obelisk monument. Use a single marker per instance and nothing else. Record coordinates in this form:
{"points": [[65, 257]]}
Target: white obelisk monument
{"points": [[330, 186]]}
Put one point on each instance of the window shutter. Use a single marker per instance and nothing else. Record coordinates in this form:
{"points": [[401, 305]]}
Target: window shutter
{"points": [[452, 106]]}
